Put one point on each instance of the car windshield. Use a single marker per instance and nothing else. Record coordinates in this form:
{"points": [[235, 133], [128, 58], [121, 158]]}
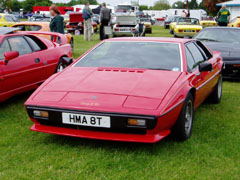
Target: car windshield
{"points": [[219, 35], [144, 19], [187, 21], [28, 27], [146, 55]]}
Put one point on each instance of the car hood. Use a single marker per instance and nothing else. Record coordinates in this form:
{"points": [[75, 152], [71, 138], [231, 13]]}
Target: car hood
{"points": [[228, 50], [108, 88]]}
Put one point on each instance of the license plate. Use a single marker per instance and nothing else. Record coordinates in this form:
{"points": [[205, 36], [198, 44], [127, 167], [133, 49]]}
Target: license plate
{"points": [[188, 31], [86, 120], [124, 29]]}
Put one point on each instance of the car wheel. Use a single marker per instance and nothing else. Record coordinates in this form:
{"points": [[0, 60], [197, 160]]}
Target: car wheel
{"points": [[216, 95], [175, 35], [72, 44], [60, 66], [171, 31], [183, 127]]}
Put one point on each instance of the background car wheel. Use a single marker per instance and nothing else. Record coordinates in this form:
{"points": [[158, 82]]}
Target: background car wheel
{"points": [[60, 66], [216, 95], [171, 31], [175, 36], [183, 127]]}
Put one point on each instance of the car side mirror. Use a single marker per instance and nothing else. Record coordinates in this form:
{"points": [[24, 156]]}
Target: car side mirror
{"points": [[205, 66], [67, 61], [10, 55]]}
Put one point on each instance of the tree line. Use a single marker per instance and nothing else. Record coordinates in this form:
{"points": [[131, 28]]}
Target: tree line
{"points": [[27, 5]]}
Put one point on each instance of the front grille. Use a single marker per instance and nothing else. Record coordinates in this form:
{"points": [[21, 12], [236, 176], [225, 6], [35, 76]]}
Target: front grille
{"points": [[118, 121]]}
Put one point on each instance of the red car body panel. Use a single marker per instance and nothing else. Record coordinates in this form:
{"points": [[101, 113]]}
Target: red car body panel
{"points": [[124, 92], [23, 73]]}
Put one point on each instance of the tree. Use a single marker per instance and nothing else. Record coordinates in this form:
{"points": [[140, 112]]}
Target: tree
{"points": [[16, 5], [4, 4], [177, 5], [28, 4], [143, 7], [161, 5], [193, 4], [211, 7]]}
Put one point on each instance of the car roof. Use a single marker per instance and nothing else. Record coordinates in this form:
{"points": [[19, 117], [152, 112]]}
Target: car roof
{"points": [[7, 30], [150, 39]]}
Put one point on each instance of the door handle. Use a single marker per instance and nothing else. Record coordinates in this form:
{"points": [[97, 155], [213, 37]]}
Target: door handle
{"points": [[37, 60]]}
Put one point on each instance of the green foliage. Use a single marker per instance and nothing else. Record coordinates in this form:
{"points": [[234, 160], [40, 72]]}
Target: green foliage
{"points": [[177, 5], [161, 5], [16, 5], [143, 7], [193, 4]]}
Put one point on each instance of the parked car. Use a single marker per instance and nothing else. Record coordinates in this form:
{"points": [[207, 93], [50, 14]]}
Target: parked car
{"points": [[125, 25], [186, 27], [227, 41], [76, 22], [40, 17], [96, 18], [235, 22], [42, 27], [169, 20], [147, 23], [7, 20], [27, 60], [208, 22], [124, 93]]}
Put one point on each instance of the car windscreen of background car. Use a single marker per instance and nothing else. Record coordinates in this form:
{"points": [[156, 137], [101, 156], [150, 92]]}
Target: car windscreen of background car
{"points": [[219, 35], [147, 55]]}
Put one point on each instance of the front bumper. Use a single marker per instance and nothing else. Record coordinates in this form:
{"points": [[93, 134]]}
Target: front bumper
{"points": [[119, 130], [146, 138], [183, 34], [232, 69]]}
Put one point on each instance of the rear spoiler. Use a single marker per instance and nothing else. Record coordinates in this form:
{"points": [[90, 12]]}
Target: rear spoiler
{"points": [[56, 37]]}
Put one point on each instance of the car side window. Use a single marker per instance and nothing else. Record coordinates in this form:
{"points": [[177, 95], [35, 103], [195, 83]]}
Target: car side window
{"points": [[19, 44], [204, 50], [9, 19], [190, 61], [33, 44], [4, 48], [197, 55]]}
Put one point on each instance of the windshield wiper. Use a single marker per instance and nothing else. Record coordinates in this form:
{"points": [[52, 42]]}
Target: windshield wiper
{"points": [[207, 39]]}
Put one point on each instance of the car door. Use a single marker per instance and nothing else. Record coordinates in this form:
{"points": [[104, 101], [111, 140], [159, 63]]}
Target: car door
{"points": [[194, 57], [23, 70]]}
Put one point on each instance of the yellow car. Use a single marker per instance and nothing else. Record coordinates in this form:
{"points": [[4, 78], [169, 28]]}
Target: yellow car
{"points": [[7, 20], [235, 22], [173, 23], [208, 22], [186, 27], [147, 23]]}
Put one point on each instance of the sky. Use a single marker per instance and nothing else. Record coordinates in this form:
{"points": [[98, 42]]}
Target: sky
{"points": [[115, 2]]}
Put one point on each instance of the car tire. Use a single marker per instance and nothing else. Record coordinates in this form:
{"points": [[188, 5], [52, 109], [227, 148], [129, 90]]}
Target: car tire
{"points": [[60, 66], [175, 35], [171, 31], [216, 95], [183, 127]]}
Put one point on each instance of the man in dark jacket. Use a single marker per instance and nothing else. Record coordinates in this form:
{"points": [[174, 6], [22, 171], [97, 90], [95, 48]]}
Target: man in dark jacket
{"points": [[105, 17]]}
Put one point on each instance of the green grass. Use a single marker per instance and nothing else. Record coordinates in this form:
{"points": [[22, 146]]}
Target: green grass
{"points": [[213, 151]]}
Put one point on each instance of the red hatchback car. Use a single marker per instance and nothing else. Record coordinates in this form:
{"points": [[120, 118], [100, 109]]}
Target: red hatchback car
{"points": [[129, 89], [26, 60]]}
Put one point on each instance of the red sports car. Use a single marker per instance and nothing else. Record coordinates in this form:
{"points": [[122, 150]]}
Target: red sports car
{"points": [[26, 60], [129, 89]]}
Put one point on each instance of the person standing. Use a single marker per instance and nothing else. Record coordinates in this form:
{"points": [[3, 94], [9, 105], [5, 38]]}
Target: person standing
{"points": [[87, 16], [184, 14], [56, 24], [223, 16], [105, 17]]}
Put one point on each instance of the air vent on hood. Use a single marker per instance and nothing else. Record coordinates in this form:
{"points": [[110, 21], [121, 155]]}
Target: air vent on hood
{"points": [[120, 70]]}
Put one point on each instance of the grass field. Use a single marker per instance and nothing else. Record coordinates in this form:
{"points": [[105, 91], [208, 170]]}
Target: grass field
{"points": [[213, 151]]}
